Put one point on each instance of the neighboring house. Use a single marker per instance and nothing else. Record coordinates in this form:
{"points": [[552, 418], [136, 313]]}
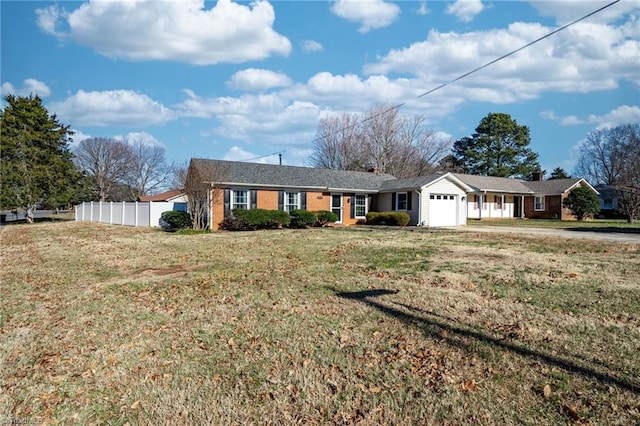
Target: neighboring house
{"points": [[609, 201], [177, 197], [441, 199], [174, 195], [496, 197]]}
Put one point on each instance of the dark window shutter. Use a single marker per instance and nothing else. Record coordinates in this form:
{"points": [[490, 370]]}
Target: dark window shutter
{"points": [[409, 197], [254, 199], [303, 200], [393, 201], [353, 206], [281, 200], [227, 202]]}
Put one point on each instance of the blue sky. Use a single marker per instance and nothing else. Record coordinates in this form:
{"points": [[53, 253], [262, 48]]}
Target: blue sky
{"points": [[239, 80]]}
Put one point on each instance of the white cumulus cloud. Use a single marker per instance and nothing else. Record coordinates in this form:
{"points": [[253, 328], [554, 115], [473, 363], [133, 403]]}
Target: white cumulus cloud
{"points": [[566, 11], [624, 114], [371, 14], [142, 137], [311, 46], [111, 108], [30, 86], [587, 57], [465, 10], [258, 79], [183, 31]]}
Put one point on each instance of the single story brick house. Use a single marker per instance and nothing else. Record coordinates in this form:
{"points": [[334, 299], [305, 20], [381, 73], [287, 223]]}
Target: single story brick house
{"points": [[441, 199], [501, 198]]}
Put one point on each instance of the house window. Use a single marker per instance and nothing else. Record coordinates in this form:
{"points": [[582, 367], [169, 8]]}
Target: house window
{"points": [[538, 203], [401, 201], [240, 199], [361, 205], [498, 202], [291, 201]]}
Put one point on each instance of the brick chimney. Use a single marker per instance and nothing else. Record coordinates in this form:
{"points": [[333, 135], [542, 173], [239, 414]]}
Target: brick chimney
{"points": [[536, 176]]}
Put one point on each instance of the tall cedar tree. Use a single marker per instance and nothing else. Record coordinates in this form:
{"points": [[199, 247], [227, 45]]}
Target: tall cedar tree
{"points": [[35, 163], [499, 147]]}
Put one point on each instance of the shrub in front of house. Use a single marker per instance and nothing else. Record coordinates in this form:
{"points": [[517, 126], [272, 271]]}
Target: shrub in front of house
{"points": [[388, 218], [301, 219], [253, 219], [323, 217], [582, 202], [172, 220]]}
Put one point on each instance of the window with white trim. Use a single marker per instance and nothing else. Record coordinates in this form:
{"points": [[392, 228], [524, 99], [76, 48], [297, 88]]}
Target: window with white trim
{"points": [[361, 205], [401, 201], [240, 199], [498, 202], [291, 201], [538, 202]]}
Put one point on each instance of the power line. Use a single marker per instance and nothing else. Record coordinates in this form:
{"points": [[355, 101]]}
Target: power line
{"points": [[400, 105], [263, 156]]}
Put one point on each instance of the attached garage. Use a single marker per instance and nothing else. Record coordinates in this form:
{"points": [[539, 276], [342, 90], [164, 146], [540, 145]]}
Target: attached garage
{"points": [[443, 202], [438, 200], [443, 210]]}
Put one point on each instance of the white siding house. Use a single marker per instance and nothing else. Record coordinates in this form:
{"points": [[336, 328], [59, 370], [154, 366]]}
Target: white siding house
{"points": [[436, 201]]}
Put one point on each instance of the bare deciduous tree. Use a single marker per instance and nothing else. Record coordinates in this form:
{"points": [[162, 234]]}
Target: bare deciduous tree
{"points": [[122, 170], [380, 139], [338, 143], [147, 170], [106, 162], [612, 157], [200, 187]]}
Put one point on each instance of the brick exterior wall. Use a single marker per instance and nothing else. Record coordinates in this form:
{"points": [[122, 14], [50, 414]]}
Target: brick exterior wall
{"points": [[267, 200], [553, 208], [218, 207], [318, 201]]}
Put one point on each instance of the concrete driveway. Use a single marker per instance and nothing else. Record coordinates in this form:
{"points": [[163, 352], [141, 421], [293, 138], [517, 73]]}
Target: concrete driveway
{"points": [[632, 236]]}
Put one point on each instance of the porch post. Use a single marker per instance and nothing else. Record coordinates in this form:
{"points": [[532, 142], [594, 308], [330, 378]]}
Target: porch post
{"points": [[502, 204], [480, 206], [522, 207]]}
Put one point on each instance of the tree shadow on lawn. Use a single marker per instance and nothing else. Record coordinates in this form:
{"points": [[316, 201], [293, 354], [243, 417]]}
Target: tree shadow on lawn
{"points": [[432, 325], [606, 230]]}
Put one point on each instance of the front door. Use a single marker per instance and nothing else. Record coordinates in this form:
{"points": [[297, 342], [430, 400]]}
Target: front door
{"points": [[336, 206], [516, 206]]}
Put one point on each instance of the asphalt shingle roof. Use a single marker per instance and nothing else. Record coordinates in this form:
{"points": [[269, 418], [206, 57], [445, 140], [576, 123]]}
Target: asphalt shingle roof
{"points": [[270, 175], [408, 183], [495, 184], [552, 187], [240, 173]]}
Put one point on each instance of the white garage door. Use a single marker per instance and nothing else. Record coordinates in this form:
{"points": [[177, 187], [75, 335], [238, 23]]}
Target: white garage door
{"points": [[443, 210]]}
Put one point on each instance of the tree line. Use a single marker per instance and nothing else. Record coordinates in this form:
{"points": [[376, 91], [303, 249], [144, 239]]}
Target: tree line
{"points": [[38, 167]]}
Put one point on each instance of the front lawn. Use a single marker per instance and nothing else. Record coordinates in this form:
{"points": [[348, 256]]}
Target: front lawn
{"points": [[115, 325]]}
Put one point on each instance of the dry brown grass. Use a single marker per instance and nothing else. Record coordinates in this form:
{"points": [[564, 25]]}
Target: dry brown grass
{"points": [[114, 325]]}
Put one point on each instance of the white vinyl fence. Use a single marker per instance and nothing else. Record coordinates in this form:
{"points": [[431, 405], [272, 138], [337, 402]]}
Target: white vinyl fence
{"points": [[132, 214]]}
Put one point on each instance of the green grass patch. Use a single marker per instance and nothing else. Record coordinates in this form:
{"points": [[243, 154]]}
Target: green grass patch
{"points": [[117, 325]]}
